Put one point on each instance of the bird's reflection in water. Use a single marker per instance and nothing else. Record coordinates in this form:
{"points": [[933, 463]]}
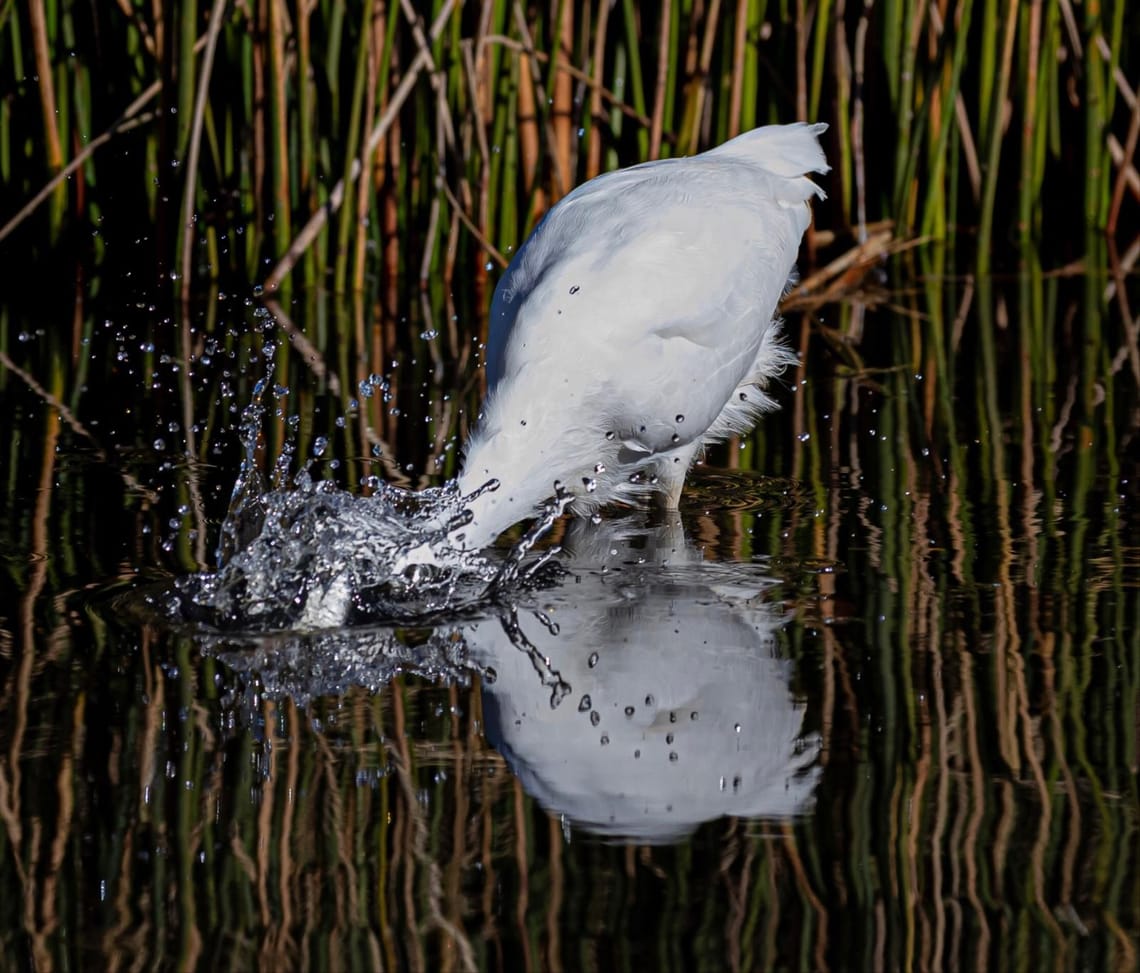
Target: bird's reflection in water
{"points": [[639, 698]]}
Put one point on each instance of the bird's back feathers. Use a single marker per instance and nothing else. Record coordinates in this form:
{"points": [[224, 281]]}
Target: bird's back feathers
{"points": [[629, 326]]}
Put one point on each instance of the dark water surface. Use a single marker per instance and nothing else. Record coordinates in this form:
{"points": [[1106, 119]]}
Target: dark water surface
{"points": [[872, 701]]}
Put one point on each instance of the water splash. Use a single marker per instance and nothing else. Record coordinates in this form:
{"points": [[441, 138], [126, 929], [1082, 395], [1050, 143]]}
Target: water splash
{"points": [[306, 555]]}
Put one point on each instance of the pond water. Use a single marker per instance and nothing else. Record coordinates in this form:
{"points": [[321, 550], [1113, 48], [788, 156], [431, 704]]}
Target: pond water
{"points": [[872, 700]]}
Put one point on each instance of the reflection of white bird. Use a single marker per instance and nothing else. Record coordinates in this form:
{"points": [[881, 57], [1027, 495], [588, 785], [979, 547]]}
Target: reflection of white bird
{"points": [[673, 706], [635, 325]]}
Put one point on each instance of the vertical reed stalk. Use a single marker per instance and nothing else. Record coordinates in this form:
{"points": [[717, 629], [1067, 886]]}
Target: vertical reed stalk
{"points": [[1031, 121], [950, 96], [279, 119], [823, 22], [190, 188], [562, 90], [354, 155], [661, 86], [598, 56], [371, 42], [187, 35], [529, 143], [307, 130], [994, 136], [53, 144], [636, 76]]}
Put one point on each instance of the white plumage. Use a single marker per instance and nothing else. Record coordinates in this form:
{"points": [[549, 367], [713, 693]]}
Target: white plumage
{"points": [[636, 324]]}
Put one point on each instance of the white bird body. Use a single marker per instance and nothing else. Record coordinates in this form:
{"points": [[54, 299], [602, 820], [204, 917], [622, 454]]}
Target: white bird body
{"points": [[636, 325]]}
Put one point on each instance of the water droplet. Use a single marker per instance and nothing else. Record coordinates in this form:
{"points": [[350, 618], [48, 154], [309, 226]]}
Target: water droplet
{"points": [[593, 660], [649, 700], [629, 711], [672, 756], [678, 418], [585, 704], [595, 717], [605, 739]]}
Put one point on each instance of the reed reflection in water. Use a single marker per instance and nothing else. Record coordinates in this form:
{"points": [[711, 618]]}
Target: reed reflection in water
{"points": [[932, 554]]}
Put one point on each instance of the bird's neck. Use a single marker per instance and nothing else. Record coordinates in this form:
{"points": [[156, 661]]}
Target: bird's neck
{"points": [[526, 471]]}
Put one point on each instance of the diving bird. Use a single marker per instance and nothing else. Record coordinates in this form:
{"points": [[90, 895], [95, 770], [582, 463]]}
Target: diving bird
{"points": [[636, 325]]}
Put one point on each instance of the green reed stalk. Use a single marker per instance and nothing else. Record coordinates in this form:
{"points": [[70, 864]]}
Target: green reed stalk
{"points": [[353, 141], [7, 172], [991, 171], [41, 44], [306, 135], [657, 121], [363, 193], [636, 75], [187, 35], [693, 90], [908, 140], [253, 174], [844, 166], [279, 127], [1098, 92], [333, 15], [671, 77], [985, 393], [986, 60], [749, 106], [1033, 122], [508, 141], [935, 220], [893, 18], [823, 22], [616, 118], [548, 102]]}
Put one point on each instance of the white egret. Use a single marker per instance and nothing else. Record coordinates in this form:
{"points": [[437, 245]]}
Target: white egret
{"points": [[636, 325]]}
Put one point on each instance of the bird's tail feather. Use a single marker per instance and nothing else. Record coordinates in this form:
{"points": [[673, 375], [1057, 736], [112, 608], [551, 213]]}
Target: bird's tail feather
{"points": [[784, 150]]}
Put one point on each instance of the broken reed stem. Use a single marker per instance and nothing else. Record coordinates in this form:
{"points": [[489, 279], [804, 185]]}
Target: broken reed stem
{"points": [[606, 94]]}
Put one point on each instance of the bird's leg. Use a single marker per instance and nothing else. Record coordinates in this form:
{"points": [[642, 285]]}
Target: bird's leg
{"points": [[671, 495], [673, 469]]}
